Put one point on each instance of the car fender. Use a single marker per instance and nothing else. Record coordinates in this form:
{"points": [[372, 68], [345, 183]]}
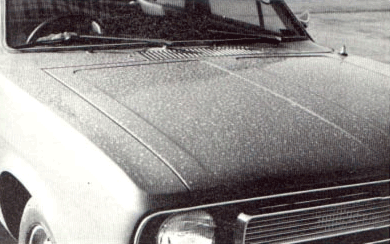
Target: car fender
{"points": [[13, 164], [71, 178]]}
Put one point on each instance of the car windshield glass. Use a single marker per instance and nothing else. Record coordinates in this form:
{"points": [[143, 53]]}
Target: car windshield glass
{"points": [[57, 22]]}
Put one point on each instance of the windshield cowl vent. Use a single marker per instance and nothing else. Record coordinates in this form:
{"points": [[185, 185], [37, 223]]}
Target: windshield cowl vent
{"points": [[191, 53]]}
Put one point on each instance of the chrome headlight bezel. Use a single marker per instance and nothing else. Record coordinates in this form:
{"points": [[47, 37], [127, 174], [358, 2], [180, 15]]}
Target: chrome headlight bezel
{"points": [[207, 222], [189, 227]]}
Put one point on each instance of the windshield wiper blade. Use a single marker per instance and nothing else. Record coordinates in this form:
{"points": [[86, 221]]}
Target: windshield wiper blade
{"points": [[71, 37], [162, 42]]}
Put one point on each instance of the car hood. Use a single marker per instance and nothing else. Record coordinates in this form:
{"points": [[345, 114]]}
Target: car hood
{"points": [[252, 121]]}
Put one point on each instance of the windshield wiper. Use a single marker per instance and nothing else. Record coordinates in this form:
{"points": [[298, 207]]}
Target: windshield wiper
{"points": [[68, 38], [72, 37]]}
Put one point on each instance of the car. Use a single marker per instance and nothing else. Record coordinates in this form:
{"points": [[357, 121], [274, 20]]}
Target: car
{"points": [[187, 121]]}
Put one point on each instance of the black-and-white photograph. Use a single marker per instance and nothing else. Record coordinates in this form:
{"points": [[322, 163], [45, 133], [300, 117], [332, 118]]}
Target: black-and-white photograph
{"points": [[194, 121]]}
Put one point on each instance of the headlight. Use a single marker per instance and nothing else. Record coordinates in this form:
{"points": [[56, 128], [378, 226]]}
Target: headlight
{"points": [[191, 228]]}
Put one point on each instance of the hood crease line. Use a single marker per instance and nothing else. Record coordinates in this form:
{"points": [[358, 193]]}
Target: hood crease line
{"points": [[291, 102], [164, 161]]}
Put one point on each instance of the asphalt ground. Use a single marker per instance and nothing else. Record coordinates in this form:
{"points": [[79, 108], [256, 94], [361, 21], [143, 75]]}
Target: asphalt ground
{"points": [[365, 34], [363, 26], [344, 6]]}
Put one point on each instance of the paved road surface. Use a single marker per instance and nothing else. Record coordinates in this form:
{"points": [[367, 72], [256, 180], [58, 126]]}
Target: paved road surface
{"points": [[363, 26], [365, 34], [330, 6]]}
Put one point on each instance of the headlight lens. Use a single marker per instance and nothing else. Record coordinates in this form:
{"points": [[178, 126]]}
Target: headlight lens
{"points": [[191, 228]]}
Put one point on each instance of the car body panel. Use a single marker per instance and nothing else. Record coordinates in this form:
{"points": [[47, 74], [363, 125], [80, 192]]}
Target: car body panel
{"points": [[74, 109], [91, 178], [106, 138], [167, 108], [229, 74]]}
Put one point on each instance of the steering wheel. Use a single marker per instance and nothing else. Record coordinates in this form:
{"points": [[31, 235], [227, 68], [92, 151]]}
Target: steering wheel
{"points": [[70, 23]]}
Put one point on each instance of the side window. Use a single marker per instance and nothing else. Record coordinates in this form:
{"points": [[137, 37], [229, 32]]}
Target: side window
{"points": [[271, 20], [245, 11], [255, 12]]}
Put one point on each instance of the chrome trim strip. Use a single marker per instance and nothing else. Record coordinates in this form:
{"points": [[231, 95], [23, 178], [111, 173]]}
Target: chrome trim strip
{"points": [[320, 207], [239, 235], [143, 223], [379, 242]]}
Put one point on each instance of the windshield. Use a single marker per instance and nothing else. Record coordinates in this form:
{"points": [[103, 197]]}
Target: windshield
{"points": [[55, 22]]}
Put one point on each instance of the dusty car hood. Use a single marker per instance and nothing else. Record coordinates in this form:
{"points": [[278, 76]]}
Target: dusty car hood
{"points": [[226, 121]]}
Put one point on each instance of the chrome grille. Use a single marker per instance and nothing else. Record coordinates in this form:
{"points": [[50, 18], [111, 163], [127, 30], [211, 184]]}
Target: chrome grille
{"points": [[316, 222]]}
